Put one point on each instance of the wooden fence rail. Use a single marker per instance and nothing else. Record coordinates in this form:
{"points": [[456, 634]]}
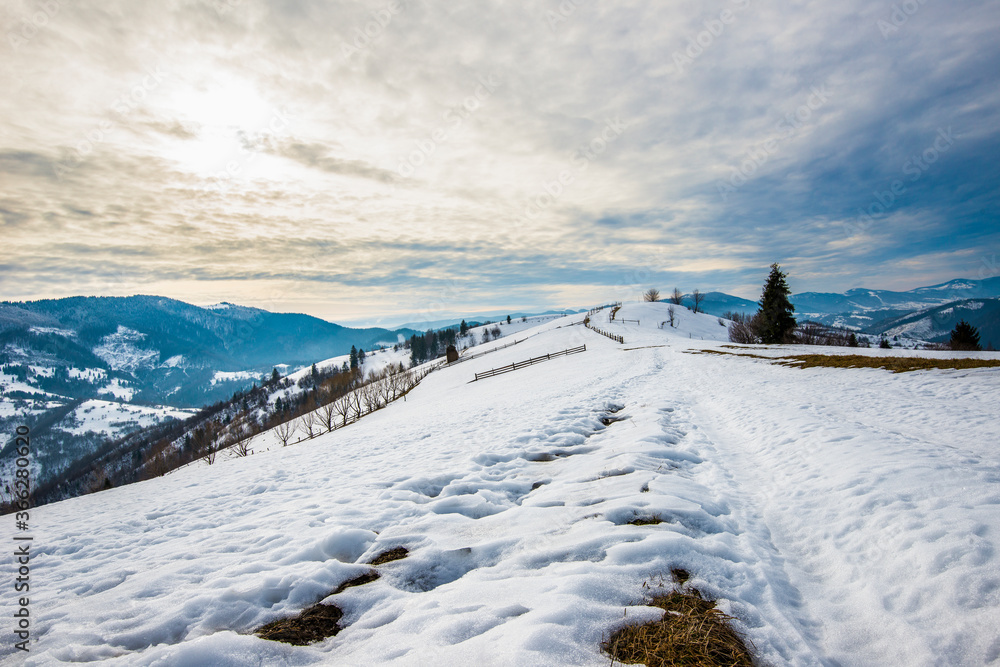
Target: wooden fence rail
{"points": [[528, 362], [470, 357], [614, 337]]}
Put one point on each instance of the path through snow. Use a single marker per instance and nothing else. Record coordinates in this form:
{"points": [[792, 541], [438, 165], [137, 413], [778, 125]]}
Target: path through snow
{"points": [[843, 516]]}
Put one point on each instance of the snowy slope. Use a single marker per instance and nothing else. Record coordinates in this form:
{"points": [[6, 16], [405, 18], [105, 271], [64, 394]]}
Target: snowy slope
{"points": [[844, 516], [114, 418]]}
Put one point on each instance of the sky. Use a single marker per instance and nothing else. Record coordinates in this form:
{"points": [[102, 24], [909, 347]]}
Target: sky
{"points": [[401, 160]]}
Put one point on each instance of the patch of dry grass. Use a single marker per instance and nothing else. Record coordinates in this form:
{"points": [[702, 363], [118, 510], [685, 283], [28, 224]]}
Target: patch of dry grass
{"points": [[359, 580], [894, 364], [396, 553], [312, 625], [691, 632], [645, 521]]}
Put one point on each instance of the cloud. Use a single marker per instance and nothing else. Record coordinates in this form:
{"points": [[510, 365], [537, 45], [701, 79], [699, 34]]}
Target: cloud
{"points": [[316, 156], [469, 143]]}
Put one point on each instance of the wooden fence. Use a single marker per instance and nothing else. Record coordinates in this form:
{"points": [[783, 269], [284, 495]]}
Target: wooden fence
{"points": [[529, 362], [469, 357], [614, 337], [597, 309]]}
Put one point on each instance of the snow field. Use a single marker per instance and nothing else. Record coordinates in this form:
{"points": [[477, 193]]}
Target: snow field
{"points": [[110, 417], [843, 516]]}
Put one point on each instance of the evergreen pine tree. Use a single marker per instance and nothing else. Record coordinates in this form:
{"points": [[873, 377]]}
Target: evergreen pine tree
{"points": [[775, 315], [354, 357], [852, 340], [965, 337], [463, 328], [884, 344]]}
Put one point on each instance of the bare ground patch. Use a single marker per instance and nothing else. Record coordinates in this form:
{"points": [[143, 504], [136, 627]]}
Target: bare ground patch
{"points": [[312, 625], [691, 632], [894, 364]]}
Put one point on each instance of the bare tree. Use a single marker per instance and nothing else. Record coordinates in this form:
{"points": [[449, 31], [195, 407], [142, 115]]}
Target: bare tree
{"points": [[370, 397], [242, 446], [385, 386], [671, 315], [309, 424], [651, 295], [357, 404], [697, 296], [342, 406], [676, 297], [285, 431], [328, 416]]}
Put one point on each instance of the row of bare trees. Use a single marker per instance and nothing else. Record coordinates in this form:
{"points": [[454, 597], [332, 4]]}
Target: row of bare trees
{"points": [[378, 390], [676, 297]]}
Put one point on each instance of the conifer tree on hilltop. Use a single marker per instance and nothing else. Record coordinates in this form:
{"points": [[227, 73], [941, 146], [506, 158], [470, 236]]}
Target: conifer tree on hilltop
{"points": [[965, 337], [776, 320]]}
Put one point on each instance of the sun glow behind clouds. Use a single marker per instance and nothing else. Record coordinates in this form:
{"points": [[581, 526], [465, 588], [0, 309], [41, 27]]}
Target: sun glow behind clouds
{"points": [[229, 125]]}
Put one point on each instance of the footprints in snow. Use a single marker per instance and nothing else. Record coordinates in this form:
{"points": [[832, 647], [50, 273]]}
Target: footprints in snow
{"points": [[504, 480], [500, 482]]}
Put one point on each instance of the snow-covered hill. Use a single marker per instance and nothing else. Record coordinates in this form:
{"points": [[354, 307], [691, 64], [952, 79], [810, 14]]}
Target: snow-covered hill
{"points": [[842, 516]]}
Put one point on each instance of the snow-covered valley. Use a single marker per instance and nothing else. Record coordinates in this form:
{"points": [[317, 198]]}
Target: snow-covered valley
{"points": [[842, 516]]}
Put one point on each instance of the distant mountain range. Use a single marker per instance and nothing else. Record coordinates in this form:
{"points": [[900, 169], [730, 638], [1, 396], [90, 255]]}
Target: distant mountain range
{"points": [[168, 351], [83, 370], [924, 313]]}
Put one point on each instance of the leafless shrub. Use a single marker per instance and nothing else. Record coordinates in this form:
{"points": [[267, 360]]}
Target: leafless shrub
{"points": [[671, 315], [814, 333], [651, 295], [676, 297], [743, 328]]}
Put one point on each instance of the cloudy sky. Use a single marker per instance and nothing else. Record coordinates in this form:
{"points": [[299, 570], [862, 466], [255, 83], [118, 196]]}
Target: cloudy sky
{"points": [[384, 161]]}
